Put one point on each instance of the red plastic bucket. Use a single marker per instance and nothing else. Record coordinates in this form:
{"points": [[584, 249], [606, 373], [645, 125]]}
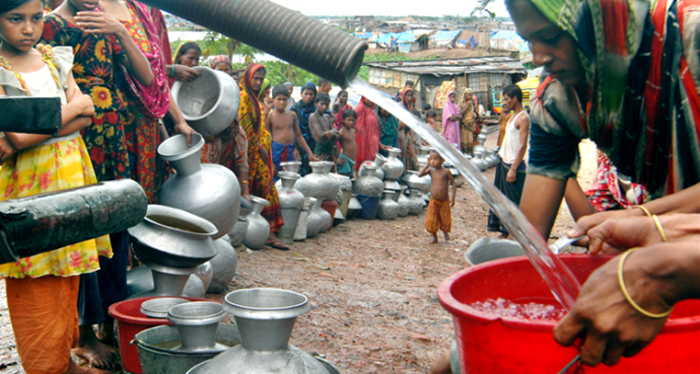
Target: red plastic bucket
{"points": [[330, 207], [131, 321], [491, 344]]}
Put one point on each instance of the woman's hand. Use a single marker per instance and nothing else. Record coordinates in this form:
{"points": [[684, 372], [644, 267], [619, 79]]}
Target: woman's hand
{"points": [[185, 129], [100, 23], [312, 158], [6, 149], [183, 73], [510, 178], [586, 223], [340, 161], [617, 235], [612, 328]]}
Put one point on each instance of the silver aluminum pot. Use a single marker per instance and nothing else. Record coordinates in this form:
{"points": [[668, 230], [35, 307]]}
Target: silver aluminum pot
{"points": [[393, 167], [173, 237], [197, 323], [319, 181], [157, 356], [210, 191], [237, 233], [258, 227], [210, 102], [291, 204], [368, 185], [224, 265], [388, 208]]}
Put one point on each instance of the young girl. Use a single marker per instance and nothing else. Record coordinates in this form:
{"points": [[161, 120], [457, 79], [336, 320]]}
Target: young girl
{"points": [[42, 290], [102, 46]]}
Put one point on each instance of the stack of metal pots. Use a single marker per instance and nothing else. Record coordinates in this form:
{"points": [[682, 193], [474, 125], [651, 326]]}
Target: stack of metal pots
{"points": [[173, 244], [265, 319]]}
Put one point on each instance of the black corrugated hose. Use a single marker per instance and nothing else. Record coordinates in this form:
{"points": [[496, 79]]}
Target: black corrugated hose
{"points": [[279, 31]]}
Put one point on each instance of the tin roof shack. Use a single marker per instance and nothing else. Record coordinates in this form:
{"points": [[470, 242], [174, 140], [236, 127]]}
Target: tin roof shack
{"points": [[444, 39], [481, 74]]}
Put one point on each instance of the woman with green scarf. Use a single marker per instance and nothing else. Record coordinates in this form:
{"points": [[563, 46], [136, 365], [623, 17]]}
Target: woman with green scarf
{"points": [[624, 74]]}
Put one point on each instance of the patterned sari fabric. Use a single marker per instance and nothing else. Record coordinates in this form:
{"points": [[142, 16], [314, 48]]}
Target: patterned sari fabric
{"points": [[388, 130], [145, 105], [251, 118], [643, 72], [49, 167], [366, 132], [95, 62]]}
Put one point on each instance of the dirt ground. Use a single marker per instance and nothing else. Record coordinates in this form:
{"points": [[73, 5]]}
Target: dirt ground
{"points": [[372, 286]]}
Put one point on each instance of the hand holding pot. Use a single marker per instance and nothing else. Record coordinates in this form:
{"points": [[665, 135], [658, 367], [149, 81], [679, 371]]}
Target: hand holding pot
{"points": [[183, 73]]}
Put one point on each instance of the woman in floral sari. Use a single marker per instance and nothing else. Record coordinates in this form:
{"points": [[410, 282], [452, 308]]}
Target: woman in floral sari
{"points": [[251, 117]]}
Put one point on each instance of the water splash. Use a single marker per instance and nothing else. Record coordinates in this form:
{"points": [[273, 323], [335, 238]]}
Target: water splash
{"points": [[558, 276], [523, 310]]}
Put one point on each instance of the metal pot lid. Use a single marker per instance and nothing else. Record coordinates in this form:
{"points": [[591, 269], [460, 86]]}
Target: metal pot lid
{"points": [[158, 307]]}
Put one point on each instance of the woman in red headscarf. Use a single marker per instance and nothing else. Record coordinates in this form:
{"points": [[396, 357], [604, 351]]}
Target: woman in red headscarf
{"points": [[251, 117], [366, 132]]}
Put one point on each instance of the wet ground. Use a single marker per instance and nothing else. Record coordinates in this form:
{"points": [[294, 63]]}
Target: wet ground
{"points": [[372, 286]]}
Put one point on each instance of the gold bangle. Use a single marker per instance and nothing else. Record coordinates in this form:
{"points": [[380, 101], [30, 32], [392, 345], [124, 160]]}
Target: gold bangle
{"points": [[645, 210], [246, 182], [660, 228], [634, 305]]}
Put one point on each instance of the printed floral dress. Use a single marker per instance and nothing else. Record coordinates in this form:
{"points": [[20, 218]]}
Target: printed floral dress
{"points": [[96, 57], [54, 165]]}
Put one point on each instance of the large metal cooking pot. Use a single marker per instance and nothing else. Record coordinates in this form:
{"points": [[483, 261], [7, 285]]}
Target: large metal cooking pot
{"points": [[210, 102]]}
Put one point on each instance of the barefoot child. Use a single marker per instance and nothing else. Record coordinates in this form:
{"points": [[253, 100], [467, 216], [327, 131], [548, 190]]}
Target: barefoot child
{"points": [[439, 215], [284, 128], [346, 136], [42, 290], [322, 129]]}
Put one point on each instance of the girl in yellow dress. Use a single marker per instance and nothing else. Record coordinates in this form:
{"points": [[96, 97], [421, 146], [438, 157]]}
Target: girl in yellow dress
{"points": [[42, 290]]}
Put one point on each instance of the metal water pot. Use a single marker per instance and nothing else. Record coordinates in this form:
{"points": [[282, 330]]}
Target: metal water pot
{"points": [[291, 203], [315, 221], [393, 167], [388, 208], [224, 266], [404, 202], [368, 184], [210, 102], [237, 234], [265, 318], [318, 180], [209, 191], [258, 227]]}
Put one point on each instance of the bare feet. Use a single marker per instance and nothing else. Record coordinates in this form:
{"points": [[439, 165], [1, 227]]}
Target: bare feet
{"points": [[435, 239], [447, 236], [504, 235], [74, 368], [92, 350], [105, 332]]}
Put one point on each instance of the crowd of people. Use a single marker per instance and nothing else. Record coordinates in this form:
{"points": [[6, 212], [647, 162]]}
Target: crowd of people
{"points": [[111, 65]]}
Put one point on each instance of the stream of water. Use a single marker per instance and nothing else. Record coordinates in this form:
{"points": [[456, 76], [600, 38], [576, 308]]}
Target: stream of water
{"points": [[558, 276]]}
